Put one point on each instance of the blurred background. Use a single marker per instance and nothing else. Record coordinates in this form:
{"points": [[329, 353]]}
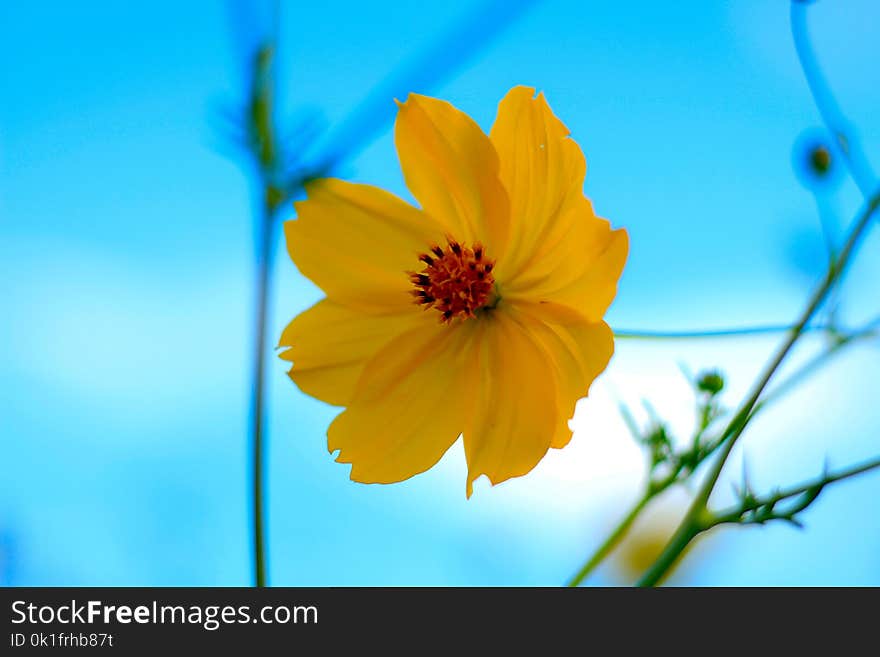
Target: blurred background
{"points": [[126, 300]]}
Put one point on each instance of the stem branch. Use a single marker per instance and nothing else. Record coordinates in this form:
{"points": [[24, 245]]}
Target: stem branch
{"points": [[812, 489], [693, 520]]}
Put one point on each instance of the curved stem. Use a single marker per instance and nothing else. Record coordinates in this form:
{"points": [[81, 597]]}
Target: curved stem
{"points": [[770, 329], [832, 116], [610, 543], [690, 525]]}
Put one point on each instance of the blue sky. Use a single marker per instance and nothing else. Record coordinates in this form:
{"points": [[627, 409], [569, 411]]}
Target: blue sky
{"points": [[126, 251]]}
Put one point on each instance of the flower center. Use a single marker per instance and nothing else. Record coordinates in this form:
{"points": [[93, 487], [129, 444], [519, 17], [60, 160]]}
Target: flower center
{"points": [[456, 280]]}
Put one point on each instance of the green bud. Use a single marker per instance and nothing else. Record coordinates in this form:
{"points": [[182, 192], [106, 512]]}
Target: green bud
{"points": [[711, 382]]}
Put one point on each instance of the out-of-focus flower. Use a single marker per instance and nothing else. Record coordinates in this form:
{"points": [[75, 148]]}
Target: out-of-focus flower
{"points": [[645, 541], [641, 549], [479, 314]]}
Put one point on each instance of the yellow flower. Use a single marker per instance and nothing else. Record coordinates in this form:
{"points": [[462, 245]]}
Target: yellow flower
{"points": [[478, 315]]}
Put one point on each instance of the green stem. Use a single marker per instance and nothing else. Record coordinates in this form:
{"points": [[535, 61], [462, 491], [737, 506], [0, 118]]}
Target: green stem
{"points": [[734, 515], [258, 403], [713, 333], [870, 330], [263, 146], [867, 332], [693, 520], [685, 533], [611, 542]]}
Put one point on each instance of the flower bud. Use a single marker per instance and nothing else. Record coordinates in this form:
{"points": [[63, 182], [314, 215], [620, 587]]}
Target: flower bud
{"points": [[710, 382], [820, 160]]}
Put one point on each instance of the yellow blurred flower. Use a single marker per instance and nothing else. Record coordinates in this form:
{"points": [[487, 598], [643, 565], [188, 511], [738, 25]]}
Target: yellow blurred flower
{"points": [[479, 314], [644, 542]]}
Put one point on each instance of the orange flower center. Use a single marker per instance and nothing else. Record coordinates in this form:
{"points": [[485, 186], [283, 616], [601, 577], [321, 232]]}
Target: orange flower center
{"points": [[456, 280]]}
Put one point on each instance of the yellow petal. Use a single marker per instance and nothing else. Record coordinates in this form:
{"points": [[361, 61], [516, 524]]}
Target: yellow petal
{"points": [[451, 167], [578, 350], [559, 250], [356, 242], [408, 407], [513, 414], [329, 344], [580, 270], [593, 291], [542, 170]]}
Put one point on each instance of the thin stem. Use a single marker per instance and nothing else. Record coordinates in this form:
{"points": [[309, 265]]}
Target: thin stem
{"points": [[869, 331], [836, 123], [264, 148], [695, 515], [734, 514], [822, 210], [770, 329], [826, 224], [258, 402], [611, 542]]}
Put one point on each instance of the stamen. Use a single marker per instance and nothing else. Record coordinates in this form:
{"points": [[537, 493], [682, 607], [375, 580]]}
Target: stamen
{"points": [[458, 282]]}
